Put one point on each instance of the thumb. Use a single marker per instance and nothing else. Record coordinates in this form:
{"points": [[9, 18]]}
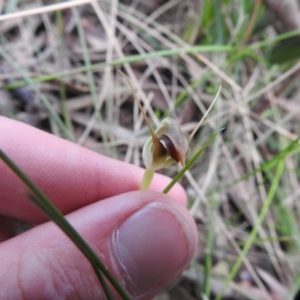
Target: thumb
{"points": [[146, 239]]}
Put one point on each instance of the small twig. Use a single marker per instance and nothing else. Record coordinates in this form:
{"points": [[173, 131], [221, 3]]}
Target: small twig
{"points": [[44, 9], [205, 115], [251, 22]]}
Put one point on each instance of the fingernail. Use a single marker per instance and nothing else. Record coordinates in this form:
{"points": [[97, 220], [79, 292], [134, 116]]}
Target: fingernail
{"points": [[152, 245]]}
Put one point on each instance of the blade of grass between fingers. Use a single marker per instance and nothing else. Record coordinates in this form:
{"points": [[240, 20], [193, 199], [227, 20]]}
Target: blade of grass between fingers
{"points": [[252, 236], [189, 164], [57, 217], [43, 207], [44, 100], [103, 283]]}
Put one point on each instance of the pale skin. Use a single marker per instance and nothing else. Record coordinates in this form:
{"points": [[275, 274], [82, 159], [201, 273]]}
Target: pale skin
{"points": [[100, 198]]}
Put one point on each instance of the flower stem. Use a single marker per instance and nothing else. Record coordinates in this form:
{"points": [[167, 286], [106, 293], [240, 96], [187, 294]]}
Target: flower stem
{"points": [[147, 178]]}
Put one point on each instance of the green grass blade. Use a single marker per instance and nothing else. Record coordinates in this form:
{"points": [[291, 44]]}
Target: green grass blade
{"points": [[293, 148], [44, 100], [218, 20], [189, 164], [277, 39], [103, 283], [208, 255], [43, 207], [252, 236], [41, 200], [128, 59], [154, 54]]}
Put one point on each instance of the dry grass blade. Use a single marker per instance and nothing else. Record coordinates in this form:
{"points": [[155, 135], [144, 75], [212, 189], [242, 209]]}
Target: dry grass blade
{"points": [[205, 115], [44, 9], [176, 54]]}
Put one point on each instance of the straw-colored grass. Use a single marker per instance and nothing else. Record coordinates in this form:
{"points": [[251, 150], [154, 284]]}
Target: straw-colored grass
{"points": [[244, 191]]}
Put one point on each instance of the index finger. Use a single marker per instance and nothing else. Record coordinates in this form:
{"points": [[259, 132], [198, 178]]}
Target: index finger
{"points": [[70, 175]]}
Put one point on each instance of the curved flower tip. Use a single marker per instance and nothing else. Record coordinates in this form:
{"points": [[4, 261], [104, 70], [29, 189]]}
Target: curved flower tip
{"points": [[170, 146], [166, 145]]}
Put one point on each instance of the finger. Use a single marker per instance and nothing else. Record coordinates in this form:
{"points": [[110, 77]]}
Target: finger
{"points": [[7, 228], [70, 175], [145, 238]]}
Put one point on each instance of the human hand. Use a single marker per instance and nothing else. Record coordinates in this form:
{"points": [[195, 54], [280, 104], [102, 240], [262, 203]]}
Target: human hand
{"points": [[145, 238]]}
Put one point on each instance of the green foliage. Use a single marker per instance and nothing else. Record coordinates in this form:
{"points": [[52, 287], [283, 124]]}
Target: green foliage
{"points": [[257, 153]]}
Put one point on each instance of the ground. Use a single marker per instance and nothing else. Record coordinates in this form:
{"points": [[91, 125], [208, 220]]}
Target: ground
{"points": [[58, 72]]}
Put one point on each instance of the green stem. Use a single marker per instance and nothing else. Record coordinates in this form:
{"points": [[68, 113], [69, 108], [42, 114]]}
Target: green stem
{"points": [[252, 236], [148, 175], [41, 96], [189, 164], [208, 255], [42, 202], [118, 62]]}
